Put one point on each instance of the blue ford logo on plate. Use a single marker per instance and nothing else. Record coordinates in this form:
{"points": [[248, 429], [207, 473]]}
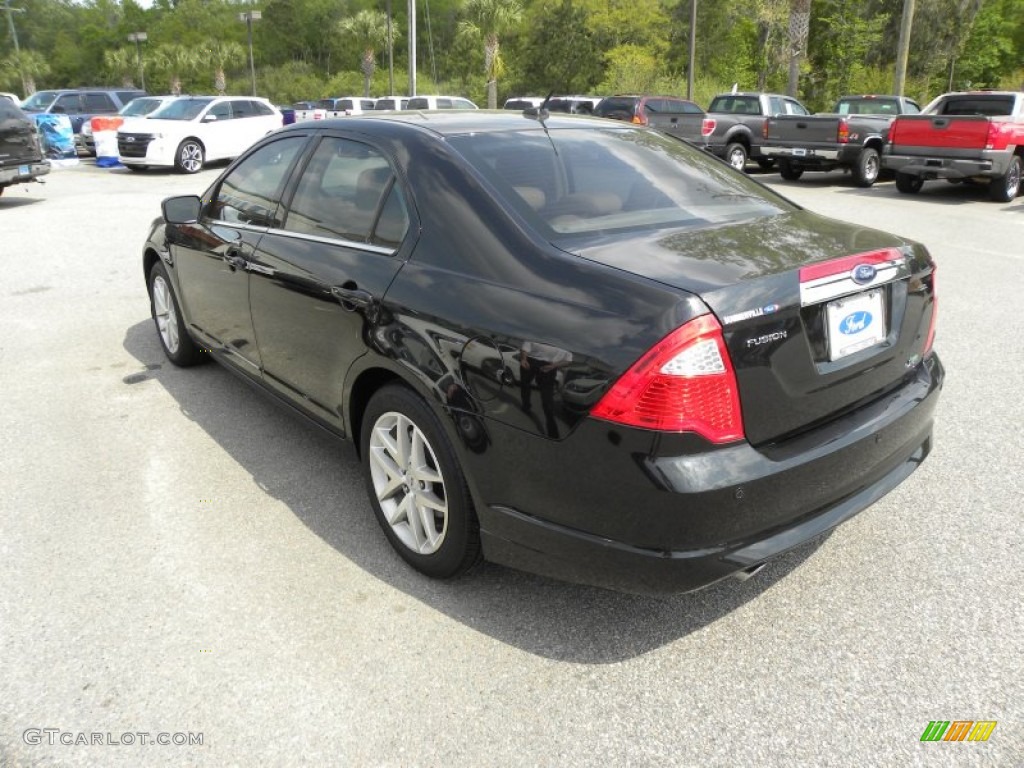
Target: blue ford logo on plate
{"points": [[863, 273], [855, 322]]}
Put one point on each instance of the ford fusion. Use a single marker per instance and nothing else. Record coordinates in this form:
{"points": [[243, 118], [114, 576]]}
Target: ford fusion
{"points": [[578, 348]]}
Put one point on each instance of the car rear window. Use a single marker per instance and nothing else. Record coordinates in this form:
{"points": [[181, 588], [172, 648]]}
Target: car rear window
{"points": [[737, 105], [616, 106], [585, 181], [990, 106]]}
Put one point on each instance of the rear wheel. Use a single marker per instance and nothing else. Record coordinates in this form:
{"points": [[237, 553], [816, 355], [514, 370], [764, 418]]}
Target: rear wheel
{"points": [[1006, 187], [736, 156], [189, 157], [908, 184], [174, 337], [765, 163], [416, 486], [788, 172], [865, 171]]}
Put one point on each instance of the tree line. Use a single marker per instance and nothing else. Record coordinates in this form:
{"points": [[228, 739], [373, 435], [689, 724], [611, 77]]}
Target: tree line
{"points": [[490, 49]]}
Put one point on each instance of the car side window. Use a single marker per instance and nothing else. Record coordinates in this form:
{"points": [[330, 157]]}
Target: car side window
{"points": [[776, 106], [259, 108], [340, 195], [795, 108], [393, 222], [221, 111], [69, 104], [99, 102], [444, 103], [251, 192], [462, 104]]}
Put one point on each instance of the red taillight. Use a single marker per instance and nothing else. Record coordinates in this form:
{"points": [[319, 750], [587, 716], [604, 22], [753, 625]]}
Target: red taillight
{"points": [[992, 140], [847, 263], [707, 126], [686, 383], [764, 129], [844, 131], [930, 338]]}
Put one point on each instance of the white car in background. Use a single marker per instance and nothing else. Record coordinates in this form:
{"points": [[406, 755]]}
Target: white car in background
{"points": [[138, 107], [191, 131], [440, 102]]}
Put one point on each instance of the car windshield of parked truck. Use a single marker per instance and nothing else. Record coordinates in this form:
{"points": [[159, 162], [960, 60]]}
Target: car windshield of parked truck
{"points": [[40, 101], [181, 109], [736, 105], [588, 181]]}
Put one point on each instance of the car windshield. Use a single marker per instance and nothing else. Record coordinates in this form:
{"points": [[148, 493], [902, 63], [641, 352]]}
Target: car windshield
{"points": [[181, 109], [40, 100], [137, 107], [576, 181]]}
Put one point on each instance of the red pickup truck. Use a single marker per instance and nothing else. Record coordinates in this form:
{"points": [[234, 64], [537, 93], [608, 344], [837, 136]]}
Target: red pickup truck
{"points": [[960, 136]]}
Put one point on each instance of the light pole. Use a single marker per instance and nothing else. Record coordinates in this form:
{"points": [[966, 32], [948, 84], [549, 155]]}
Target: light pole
{"points": [[137, 38], [14, 38], [249, 17]]}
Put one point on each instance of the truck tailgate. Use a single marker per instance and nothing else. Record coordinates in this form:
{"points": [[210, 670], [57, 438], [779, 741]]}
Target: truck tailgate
{"points": [[802, 130], [960, 132]]}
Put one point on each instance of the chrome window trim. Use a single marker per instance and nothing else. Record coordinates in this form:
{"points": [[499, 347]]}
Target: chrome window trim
{"points": [[370, 247], [842, 284]]}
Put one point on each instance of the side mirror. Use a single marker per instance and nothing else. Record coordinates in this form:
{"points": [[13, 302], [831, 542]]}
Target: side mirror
{"points": [[181, 210]]}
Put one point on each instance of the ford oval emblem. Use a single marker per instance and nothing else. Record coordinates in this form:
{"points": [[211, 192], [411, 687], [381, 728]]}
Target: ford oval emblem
{"points": [[855, 322], [863, 274]]}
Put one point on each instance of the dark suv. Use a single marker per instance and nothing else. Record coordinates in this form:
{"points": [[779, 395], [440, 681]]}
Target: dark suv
{"points": [[80, 104], [21, 159], [669, 114]]}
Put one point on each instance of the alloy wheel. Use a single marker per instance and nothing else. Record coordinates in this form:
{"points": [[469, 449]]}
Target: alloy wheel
{"points": [[166, 317], [408, 483], [191, 156]]}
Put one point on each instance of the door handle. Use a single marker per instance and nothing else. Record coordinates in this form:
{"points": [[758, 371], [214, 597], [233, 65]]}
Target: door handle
{"points": [[352, 297], [233, 257]]}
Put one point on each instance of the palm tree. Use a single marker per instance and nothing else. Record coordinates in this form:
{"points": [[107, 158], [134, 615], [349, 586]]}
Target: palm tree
{"points": [[25, 66], [488, 19], [122, 64], [799, 24], [176, 61], [369, 30], [221, 54]]}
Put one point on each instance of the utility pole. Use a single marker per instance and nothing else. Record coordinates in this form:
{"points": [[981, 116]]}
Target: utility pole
{"points": [[138, 38], [904, 48], [17, 49], [249, 17], [693, 44], [412, 47], [391, 55]]}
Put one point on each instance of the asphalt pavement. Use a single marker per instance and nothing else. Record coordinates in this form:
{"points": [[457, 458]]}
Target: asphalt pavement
{"points": [[182, 560]]}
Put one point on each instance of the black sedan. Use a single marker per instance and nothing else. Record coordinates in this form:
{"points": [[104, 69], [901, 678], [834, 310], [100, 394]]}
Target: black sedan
{"points": [[575, 347]]}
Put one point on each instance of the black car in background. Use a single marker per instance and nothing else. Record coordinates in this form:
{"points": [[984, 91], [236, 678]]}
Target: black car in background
{"points": [[21, 158], [576, 347]]}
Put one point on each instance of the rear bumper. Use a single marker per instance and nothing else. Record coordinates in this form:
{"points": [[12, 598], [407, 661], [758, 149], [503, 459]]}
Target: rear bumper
{"points": [[801, 154], [989, 164], [23, 173], [723, 511]]}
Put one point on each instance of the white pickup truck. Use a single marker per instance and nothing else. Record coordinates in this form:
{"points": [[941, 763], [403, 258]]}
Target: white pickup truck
{"points": [[337, 107]]}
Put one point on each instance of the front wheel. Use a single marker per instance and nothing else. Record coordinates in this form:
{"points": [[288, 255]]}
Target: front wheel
{"points": [[865, 171], [788, 172], [1006, 187], [908, 184], [416, 486], [170, 326], [189, 158], [736, 156]]}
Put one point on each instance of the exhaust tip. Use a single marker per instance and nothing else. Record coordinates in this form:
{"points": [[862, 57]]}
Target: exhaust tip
{"points": [[749, 573]]}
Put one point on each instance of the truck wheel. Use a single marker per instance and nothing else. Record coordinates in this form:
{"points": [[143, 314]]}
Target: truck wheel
{"points": [[907, 184], [788, 172], [736, 156], [766, 163], [1006, 187], [865, 171]]}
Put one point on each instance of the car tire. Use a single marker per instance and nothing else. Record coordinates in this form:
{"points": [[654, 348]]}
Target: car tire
{"points": [[736, 155], [410, 465], [170, 325], [765, 163], [789, 172], [1005, 188], [867, 167], [908, 184], [190, 156]]}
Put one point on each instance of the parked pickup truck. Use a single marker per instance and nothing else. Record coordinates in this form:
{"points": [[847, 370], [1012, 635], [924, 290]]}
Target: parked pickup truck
{"points": [[21, 158], [851, 137], [669, 114], [734, 125], [337, 107], [975, 136]]}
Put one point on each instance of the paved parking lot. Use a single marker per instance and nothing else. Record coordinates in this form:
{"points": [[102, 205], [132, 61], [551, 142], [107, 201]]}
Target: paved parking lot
{"points": [[178, 556]]}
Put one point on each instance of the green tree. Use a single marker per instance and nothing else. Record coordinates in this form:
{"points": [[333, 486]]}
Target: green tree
{"points": [[557, 52], [122, 65], [368, 29], [488, 20], [23, 68], [221, 54], [176, 62]]}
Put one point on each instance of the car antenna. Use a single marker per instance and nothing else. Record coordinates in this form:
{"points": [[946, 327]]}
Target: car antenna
{"points": [[540, 113]]}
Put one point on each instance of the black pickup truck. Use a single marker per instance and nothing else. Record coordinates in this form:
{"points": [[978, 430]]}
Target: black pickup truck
{"points": [[734, 125], [21, 159], [851, 137]]}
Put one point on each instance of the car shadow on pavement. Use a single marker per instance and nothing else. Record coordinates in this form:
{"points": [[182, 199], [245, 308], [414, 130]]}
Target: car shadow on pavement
{"points": [[7, 200], [936, 191], [538, 615]]}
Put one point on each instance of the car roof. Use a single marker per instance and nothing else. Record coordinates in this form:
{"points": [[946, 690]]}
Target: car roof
{"points": [[454, 122]]}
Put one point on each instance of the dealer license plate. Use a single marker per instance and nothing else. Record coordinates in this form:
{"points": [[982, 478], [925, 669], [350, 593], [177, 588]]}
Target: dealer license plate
{"points": [[23, 170], [855, 323], [799, 152]]}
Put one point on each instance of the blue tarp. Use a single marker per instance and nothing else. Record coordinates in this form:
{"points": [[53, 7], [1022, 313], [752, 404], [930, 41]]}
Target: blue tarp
{"points": [[57, 137]]}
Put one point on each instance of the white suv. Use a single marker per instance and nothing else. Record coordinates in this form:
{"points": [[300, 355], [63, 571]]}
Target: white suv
{"points": [[191, 131], [440, 102]]}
